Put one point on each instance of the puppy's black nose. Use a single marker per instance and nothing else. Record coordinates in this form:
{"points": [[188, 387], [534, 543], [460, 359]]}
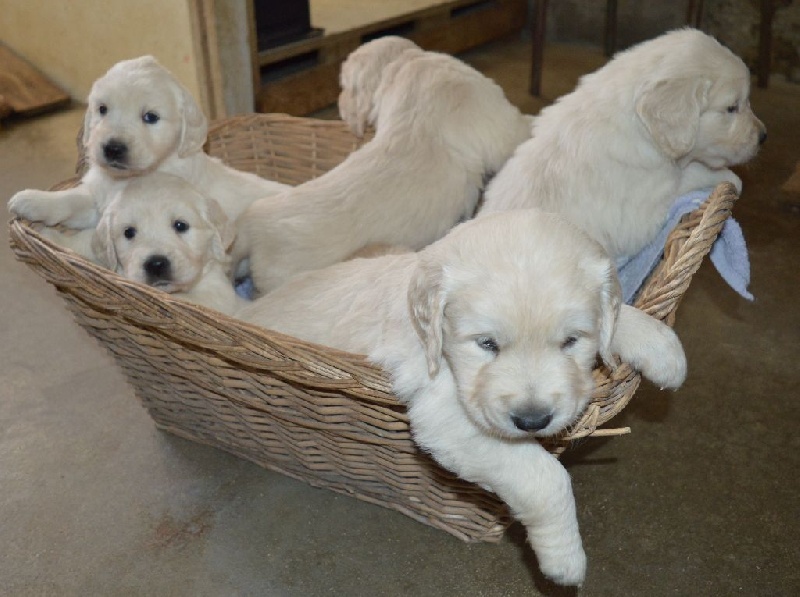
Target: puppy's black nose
{"points": [[158, 268], [115, 151], [532, 421], [762, 137]]}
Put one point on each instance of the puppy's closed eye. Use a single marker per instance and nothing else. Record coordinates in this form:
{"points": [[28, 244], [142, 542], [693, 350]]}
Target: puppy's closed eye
{"points": [[488, 344], [733, 108], [569, 342]]}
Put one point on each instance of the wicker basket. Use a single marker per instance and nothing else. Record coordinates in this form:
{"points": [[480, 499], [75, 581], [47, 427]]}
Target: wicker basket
{"points": [[316, 414]]}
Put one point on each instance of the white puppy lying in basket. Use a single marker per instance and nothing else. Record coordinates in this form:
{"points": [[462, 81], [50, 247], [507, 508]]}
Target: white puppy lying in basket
{"points": [[139, 119], [441, 128], [161, 231], [663, 118], [490, 336]]}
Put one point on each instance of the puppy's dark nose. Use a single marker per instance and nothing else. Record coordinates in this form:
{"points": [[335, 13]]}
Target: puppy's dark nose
{"points": [[531, 421], [762, 137], [115, 151], [158, 268]]}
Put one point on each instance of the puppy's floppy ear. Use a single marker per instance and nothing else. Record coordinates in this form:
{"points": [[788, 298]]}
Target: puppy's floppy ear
{"points": [[87, 124], [670, 111], [103, 241], [224, 230], [426, 300], [610, 303], [194, 125], [354, 103]]}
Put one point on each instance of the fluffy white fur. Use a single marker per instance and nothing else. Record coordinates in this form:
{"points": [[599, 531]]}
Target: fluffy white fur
{"points": [[361, 74], [139, 119], [662, 118], [161, 231], [441, 128], [490, 336]]}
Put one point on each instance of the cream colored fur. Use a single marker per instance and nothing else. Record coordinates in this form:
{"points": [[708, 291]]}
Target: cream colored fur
{"points": [[490, 336], [161, 231], [662, 118], [361, 74], [441, 128], [131, 92]]}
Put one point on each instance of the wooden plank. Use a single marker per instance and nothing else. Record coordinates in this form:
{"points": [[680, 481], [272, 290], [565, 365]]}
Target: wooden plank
{"points": [[23, 89], [451, 28], [302, 93]]}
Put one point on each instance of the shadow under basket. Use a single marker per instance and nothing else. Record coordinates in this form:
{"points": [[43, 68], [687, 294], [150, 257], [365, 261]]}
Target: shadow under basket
{"points": [[320, 415]]}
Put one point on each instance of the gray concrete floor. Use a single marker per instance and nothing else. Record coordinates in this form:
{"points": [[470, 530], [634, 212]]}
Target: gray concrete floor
{"points": [[701, 499]]}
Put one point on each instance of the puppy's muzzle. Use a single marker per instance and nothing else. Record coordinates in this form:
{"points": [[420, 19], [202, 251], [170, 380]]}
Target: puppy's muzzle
{"points": [[115, 153], [158, 270], [531, 421]]}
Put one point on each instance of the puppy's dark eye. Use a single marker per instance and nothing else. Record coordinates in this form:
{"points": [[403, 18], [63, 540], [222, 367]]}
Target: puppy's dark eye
{"points": [[180, 226], [488, 344], [102, 109], [733, 108], [569, 342], [129, 232], [150, 117]]}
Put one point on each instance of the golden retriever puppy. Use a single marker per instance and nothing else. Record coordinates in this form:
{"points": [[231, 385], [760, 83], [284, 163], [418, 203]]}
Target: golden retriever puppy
{"points": [[139, 120], [490, 336], [361, 74], [441, 128], [161, 231], [663, 118]]}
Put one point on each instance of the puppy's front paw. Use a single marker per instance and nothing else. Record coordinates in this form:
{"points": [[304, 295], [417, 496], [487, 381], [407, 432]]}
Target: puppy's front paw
{"points": [[563, 567], [665, 366], [650, 346], [730, 176], [36, 206]]}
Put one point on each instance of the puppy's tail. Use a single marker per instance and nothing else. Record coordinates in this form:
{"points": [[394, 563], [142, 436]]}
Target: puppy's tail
{"points": [[650, 346]]}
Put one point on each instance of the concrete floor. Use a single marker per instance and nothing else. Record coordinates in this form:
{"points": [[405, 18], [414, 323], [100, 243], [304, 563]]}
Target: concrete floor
{"points": [[701, 499]]}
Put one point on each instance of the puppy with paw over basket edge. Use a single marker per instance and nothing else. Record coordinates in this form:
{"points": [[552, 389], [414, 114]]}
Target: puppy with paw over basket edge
{"points": [[490, 336]]}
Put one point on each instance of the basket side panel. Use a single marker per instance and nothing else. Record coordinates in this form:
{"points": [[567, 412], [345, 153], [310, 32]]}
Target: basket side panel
{"points": [[314, 436], [282, 148]]}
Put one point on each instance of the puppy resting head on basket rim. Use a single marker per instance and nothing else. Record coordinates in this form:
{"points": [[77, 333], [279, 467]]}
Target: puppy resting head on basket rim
{"points": [[160, 231], [490, 336]]}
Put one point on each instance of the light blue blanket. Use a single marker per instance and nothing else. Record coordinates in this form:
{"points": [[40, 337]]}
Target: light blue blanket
{"points": [[728, 253]]}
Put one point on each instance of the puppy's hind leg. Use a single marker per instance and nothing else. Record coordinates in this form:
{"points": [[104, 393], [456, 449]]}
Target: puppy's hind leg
{"points": [[649, 346]]}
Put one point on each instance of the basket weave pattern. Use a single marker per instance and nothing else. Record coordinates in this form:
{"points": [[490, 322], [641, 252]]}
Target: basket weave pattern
{"points": [[320, 415]]}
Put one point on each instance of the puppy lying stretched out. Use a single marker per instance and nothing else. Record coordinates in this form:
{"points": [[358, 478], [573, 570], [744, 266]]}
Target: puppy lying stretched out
{"points": [[160, 231], [490, 336], [139, 119], [441, 128]]}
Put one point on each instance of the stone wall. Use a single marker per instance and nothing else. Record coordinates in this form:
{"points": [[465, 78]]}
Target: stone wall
{"points": [[734, 22]]}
